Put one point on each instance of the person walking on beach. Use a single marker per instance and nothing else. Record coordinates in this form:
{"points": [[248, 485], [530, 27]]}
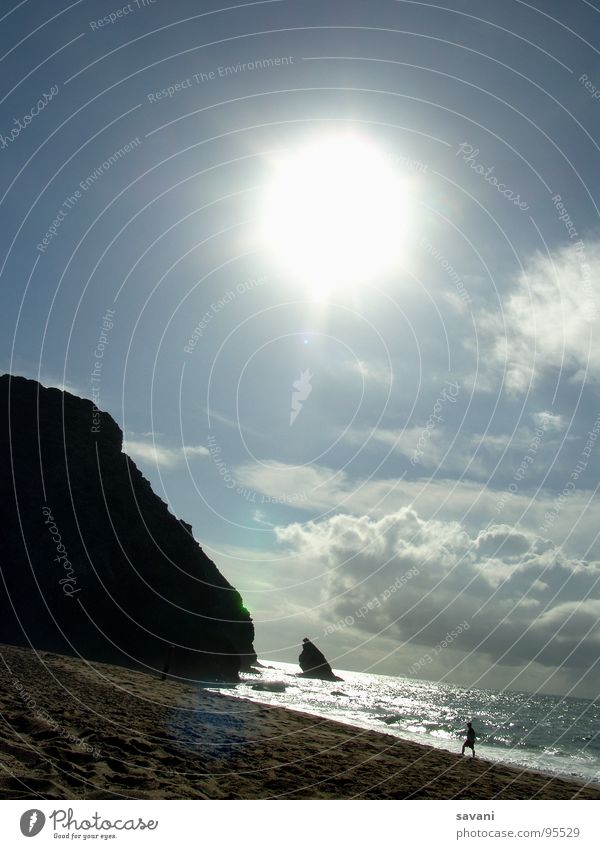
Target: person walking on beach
{"points": [[470, 741]]}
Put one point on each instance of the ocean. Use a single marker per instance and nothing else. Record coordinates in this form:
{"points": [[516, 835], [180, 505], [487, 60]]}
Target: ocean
{"points": [[547, 733]]}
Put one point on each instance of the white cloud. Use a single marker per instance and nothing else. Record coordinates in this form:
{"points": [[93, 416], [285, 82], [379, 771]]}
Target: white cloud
{"points": [[149, 451], [458, 452], [551, 319], [572, 621], [548, 421], [377, 372], [431, 443], [195, 450], [316, 489]]}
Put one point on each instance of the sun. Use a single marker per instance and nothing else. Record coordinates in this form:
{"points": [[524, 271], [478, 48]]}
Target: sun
{"points": [[335, 212]]}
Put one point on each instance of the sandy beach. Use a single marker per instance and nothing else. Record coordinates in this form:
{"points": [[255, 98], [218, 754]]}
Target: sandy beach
{"points": [[74, 729]]}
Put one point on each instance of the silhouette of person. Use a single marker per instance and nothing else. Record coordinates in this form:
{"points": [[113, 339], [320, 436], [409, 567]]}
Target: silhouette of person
{"points": [[470, 741]]}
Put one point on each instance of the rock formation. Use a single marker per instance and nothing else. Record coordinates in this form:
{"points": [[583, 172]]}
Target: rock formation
{"points": [[93, 563], [314, 664], [270, 686]]}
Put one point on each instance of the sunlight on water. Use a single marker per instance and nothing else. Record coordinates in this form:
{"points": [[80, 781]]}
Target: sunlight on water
{"points": [[533, 731]]}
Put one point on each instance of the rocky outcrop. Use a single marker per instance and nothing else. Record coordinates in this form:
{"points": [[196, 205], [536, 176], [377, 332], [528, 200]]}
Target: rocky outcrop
{"points": [[270, 686], [93, 562], [314, 664]]}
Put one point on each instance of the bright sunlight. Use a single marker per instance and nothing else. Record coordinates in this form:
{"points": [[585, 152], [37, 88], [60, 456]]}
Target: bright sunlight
{"points": [[335, 212]]}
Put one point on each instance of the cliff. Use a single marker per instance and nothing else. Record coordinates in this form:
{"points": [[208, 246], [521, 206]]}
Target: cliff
{"points": [[93, 563]]}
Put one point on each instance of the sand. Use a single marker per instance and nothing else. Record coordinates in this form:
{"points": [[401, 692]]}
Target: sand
{"points": [[74, 729]]}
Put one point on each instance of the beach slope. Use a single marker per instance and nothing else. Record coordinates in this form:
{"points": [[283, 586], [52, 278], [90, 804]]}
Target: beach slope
{"points": [[73, 729]]}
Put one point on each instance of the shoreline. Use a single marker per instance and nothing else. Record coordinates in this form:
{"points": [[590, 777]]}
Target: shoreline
{"points": [[525, 759], [538, 773], [438, 748], [77, 729]]}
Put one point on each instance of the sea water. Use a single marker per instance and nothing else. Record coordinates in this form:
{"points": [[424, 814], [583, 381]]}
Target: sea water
{"points": [[547, 733]]}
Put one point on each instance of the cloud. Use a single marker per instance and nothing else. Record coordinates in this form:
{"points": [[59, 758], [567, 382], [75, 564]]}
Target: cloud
{"points": [[451, 452], [523, 600], [502, 538], [149, 451], [572, 622], [429, 445], [551, 318], [373, 371], [195, 450], [549, 421], [319, 490]]}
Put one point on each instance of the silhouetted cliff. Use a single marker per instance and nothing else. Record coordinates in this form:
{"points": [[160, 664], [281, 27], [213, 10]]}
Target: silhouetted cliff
{"points": [[93, 562]]}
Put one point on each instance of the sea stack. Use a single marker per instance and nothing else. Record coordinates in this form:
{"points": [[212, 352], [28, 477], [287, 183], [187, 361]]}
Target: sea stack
{"points": [[314, 663], [94, 563]]}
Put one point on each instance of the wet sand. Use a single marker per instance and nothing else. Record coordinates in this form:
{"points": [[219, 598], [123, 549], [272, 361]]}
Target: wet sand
{"points": [[74, 729]]}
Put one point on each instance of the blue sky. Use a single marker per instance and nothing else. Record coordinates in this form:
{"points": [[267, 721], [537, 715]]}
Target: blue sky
{"points": [[445, 405]]}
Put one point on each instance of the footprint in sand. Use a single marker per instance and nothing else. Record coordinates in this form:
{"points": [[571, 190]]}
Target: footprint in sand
{"points": [[23, 754]]}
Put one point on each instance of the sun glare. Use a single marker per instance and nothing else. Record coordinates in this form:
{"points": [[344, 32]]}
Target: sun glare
{"points": [[335, 212]]}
